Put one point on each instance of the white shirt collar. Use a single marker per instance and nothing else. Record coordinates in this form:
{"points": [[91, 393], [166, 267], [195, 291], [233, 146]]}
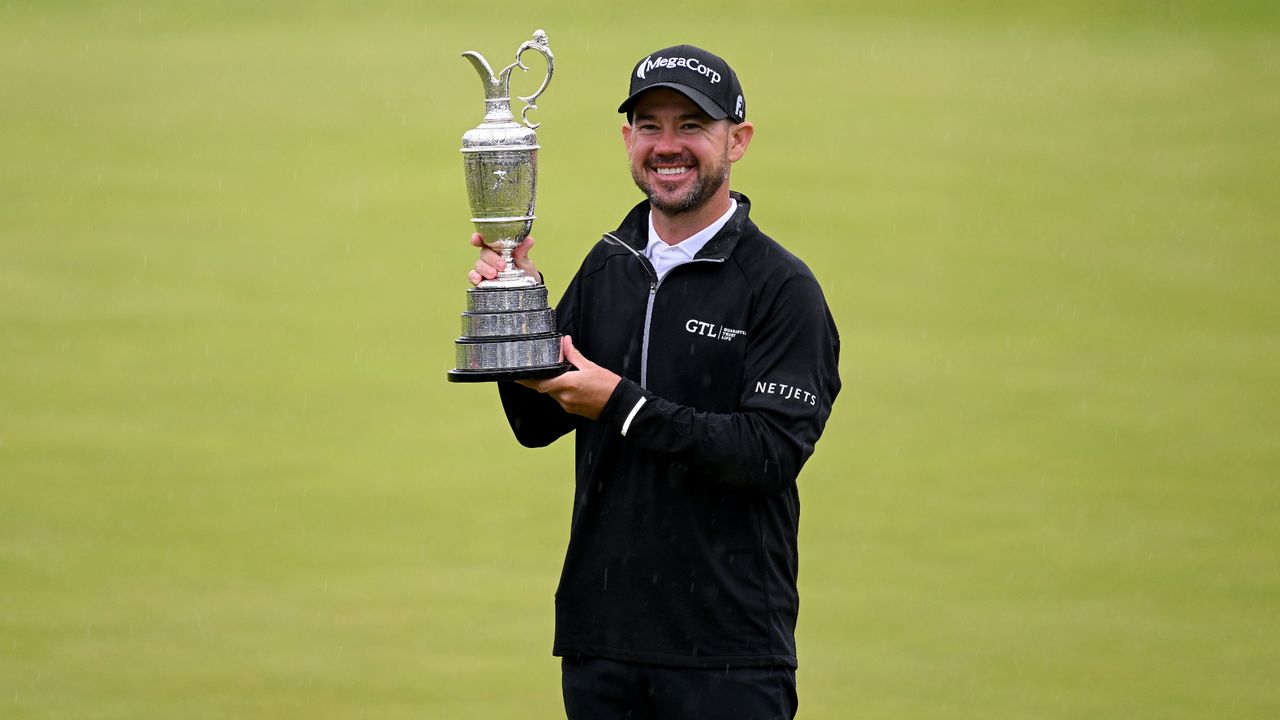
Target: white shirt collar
{"points": [[686, 249]]}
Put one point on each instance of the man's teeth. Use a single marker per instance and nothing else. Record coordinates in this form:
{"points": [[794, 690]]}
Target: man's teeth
{"points": [[672, 171]]}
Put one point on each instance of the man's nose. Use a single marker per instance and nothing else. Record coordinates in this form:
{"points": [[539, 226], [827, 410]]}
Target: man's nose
{"points": [[668, 142]]}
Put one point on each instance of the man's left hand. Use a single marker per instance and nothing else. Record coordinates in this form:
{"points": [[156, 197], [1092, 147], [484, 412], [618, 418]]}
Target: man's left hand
{"points": [[581, 391]]}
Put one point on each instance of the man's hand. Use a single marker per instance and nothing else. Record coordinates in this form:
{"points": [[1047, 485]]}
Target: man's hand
{"points": [[582, 391], [490, 262]]}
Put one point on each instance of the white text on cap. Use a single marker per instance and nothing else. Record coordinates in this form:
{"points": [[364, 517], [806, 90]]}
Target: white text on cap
{"points": [[693, 64]]}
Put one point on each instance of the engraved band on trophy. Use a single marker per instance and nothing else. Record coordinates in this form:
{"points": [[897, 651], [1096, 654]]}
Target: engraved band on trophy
{"points": [[508, 329]]}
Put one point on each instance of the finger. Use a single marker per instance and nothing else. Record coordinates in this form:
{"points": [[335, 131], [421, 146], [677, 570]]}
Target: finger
{"points": [[572, 355], [520, 258], [522, 250], [492, 257], [487, 253], [474, 277], [536, 384], [486, 270]]}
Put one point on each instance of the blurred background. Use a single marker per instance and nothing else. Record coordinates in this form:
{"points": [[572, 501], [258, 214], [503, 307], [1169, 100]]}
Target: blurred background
{"points": [[234, 482]]}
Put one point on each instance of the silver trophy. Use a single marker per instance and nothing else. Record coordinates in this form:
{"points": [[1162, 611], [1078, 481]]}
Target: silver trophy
{"points": [[508, 329]]}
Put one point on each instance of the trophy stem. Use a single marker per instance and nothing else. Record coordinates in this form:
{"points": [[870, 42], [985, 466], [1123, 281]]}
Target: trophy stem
{"points": [[509, 263], [511, 277]]}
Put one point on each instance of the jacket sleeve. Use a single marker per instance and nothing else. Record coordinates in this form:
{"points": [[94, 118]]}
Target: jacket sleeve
{"points": [[790, 381], [537, 420]]}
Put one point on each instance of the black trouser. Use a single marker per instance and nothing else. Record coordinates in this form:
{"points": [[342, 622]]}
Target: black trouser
{"points": [[605, 689]]}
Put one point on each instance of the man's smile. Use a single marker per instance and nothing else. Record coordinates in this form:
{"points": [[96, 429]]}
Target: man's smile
{"points": [[671, 167]]}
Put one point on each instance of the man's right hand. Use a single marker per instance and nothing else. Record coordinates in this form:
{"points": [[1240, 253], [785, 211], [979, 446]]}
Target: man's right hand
{"points": [[490, 262]]}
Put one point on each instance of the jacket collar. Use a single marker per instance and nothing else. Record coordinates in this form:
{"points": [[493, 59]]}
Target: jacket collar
{"points": [[634, 230]]}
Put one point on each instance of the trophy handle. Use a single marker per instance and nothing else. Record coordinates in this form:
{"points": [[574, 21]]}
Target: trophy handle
{"points": [[538, 44]]}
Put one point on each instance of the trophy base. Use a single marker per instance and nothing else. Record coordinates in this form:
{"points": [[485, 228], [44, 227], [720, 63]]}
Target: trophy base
{"points": [[508, 334], [464, 376]]}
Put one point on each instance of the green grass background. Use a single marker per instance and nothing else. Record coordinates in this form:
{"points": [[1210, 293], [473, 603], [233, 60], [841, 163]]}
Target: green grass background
{"points": [[234, 483]]}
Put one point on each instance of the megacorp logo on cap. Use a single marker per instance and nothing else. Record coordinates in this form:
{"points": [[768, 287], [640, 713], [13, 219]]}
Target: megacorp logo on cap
{"points": [[693, 64]]}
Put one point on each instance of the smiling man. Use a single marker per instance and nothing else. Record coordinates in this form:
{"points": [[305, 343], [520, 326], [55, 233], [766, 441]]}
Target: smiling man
{"points": [[704, 369]]}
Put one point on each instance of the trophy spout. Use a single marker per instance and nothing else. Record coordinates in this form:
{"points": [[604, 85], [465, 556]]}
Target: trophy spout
{"points": [[493, 89]]}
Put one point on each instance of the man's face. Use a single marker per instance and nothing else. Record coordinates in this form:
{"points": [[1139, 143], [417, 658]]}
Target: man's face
{"points": [[679, 156]]}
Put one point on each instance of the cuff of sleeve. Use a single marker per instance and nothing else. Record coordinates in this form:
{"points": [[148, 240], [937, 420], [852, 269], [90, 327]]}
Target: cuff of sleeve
{"points": [[624, 403]]}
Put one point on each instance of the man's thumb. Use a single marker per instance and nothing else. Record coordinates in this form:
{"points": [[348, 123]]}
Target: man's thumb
{"points": [[521, 251], [571, 353]]}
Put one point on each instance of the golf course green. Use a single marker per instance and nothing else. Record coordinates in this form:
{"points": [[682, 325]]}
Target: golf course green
{"points": [[234, 482]]}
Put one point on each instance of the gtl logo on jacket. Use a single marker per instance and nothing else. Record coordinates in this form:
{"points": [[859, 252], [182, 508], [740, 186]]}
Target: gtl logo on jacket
{"points": [[711, 330]]}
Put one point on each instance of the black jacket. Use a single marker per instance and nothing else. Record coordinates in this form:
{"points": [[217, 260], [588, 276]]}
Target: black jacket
{"points": [[682, 549]]}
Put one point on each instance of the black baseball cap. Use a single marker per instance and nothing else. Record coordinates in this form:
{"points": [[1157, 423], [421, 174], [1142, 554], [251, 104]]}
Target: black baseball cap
{"points": [[703, 77]]}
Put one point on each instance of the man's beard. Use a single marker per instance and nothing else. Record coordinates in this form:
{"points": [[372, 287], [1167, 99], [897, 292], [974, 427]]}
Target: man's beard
{"points": [[709, 181]]}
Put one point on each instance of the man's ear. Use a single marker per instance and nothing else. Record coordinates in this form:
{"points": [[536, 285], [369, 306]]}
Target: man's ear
{"points": [[626, 135], [739, 138]]}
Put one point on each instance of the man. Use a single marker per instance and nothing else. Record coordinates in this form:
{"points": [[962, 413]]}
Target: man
{"points": [[705, 366]]}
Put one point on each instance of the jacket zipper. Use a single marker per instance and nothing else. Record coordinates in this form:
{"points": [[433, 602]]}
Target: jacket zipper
{"points": [[654, 282], [644, 343], [648, 308]]}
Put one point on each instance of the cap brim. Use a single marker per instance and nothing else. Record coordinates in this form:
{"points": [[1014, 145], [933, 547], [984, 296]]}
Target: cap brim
{"points": [[699, 98]]}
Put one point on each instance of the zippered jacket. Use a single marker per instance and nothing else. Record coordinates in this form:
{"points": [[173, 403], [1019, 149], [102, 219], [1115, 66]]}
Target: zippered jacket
{"points": [[682, 549]]}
